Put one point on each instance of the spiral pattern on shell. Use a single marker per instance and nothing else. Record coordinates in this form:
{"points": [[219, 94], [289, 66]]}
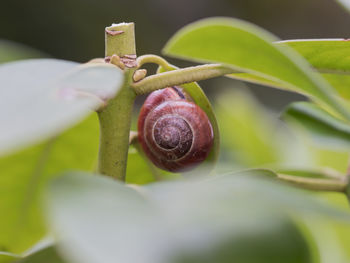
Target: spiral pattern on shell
{"points": [[174, 132]]}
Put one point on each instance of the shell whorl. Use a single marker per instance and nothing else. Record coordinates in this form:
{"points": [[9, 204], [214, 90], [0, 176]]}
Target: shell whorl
{"points": [[174, 132]]}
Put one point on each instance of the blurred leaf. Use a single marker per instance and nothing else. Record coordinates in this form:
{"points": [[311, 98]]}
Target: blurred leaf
{"points": [[312, 173], [260, 245], [24, 174], [345, 4], [332, 237], [45, 255], [328, 56], [41, 98], [348, 192], [332, 158], [329, 247], [139, 170], [101, 220], [98, 234], [282, 197], [10, 51], [8, 257], [199, 97], [340, 82], [323, 127], [246, 131], [249, 49]]}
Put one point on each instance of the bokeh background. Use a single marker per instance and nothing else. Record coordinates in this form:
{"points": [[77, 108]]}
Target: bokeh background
{"points": [[251, 135], [74, 29]]}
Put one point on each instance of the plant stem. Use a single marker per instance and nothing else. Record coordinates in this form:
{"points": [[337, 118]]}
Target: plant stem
{"points": [[334, 185], [153, 59], [347, 191], [180, 76], [115, 118], [121, 44]]}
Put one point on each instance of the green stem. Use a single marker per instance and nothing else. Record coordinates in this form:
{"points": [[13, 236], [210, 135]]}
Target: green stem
{"points": [[347, 191], [333, 185], [122, 43], [180, 76], [115, 118], [153, 59]]}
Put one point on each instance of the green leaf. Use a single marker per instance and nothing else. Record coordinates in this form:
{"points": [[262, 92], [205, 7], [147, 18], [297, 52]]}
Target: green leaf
{"points": [[329, 57], [114, 207], [10, 51], [246, 130], [6, 257], [25, 173], [340, 82], [348, 192], [175, 221], [249, 49], [320, 125], [255, 182], [45, 255], [199, 97], [41, 98], [140, 170], [325, 55], [325, 173], [256, 247]]}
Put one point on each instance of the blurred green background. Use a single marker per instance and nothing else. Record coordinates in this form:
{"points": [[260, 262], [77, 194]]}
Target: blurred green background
{"points": [[74, 29], [251, 135]]}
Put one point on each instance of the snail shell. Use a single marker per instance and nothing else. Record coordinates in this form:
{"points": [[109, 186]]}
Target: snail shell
{"points": [[174, 132]]}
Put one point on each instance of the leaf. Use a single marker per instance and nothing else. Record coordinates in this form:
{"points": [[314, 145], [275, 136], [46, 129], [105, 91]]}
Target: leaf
{"points": [[328, 56], [141, 170], [325, 55], [255, 182], [325, 173], [249, 49], [345, 4], [10, 51], [246, 131], [25, 173], [6, 257], [199, 97], [45, 255], [348, 192], [98, 219], [110, 201], [256, 246], [40, 99], [320, 125], [340, 82]]}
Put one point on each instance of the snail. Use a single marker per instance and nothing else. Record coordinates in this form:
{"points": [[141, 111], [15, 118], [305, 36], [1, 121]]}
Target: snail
{"points": [[174, 132]]}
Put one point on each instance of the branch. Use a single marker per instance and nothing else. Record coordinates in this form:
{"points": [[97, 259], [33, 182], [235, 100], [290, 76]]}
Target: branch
{"points": [[180, 76], [333, 185], [115, 118], [153, 59]]}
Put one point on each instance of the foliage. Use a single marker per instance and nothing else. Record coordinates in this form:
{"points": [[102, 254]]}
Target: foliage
{"points": [[239, 212]]}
